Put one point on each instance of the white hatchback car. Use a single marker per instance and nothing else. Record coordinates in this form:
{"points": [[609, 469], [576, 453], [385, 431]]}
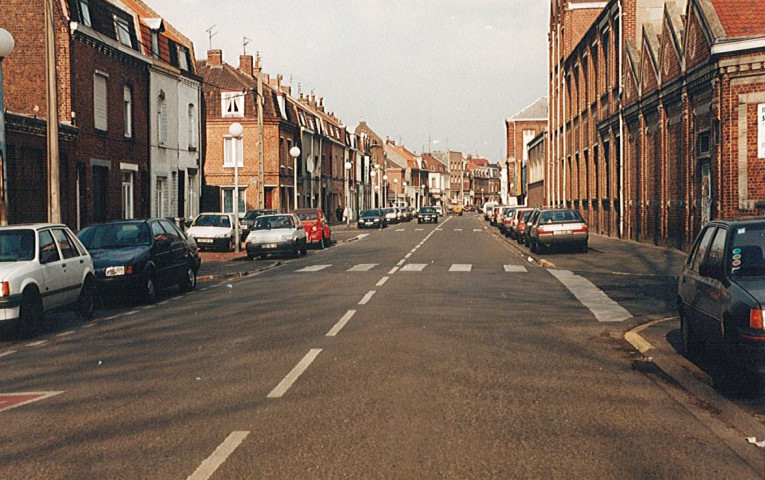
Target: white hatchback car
{"points": [[42, 266], [214, 231], [283, 233]]}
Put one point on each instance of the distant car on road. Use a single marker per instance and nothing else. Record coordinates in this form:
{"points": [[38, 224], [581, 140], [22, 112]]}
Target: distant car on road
{"points": [[374, 218], [427, 214], [316, 226], [214, 231], [43, 266], [141, 257], [721, 299], [283, 233], [391, 215]]}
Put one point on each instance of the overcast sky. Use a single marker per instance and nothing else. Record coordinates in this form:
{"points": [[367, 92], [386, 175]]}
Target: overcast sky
{"points": [[450, 71]]}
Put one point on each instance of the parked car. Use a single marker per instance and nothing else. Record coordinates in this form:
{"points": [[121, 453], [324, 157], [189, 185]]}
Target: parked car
{"points": [[214, 231], [488, 208], [503, 219], [42, 266], [374, 218], [721, 294], [439, 209], [391, 215], [427, 214], [283, 233], [517, 226], [316, 226], [141, 257], [249, 219], [558, 227], [531, 219]]}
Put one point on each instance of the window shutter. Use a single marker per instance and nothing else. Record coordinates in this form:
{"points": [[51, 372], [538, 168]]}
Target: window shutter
{"points": [[99, 102]]}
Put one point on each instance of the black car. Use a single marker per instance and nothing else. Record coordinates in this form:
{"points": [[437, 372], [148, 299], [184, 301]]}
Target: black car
{"points": [[427, 214], [721, 292], [249, 219], [141, 256], [374, 218]]}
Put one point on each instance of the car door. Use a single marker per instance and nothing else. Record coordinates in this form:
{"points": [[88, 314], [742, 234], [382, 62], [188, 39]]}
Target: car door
{"points": [[178, 254], [54, 287], [715, 299], [692, 288], [73, 264]]}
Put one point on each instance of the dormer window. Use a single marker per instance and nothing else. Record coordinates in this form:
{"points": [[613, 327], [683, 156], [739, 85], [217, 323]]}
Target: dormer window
{"points": [[85, 13], [232, 104], [183, 64], [155, 44], [123, 31]]}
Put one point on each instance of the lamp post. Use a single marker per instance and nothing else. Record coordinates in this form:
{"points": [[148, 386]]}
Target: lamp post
{"points": [[385, 190], [6, 47], [236, 131], [403, 188], [294, 153], [372, 175], [348, 166], [395, 189]]}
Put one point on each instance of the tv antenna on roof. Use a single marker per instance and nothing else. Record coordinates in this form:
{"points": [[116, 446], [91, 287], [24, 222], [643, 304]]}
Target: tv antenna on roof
{"points": [[210, 34], [245, 41]]}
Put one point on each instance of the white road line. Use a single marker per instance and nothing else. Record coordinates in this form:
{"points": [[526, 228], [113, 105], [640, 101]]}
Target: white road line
{"points": [[224, 450], [382, 282], [362, 235], [291, 377], [36, 344], [89, 325], [393, 270], [515, 268], [461, 267], [414, 267], [401, 229], [401, 262], [32, 397], [367, 297], [478, 230], [604, 309], [408, 255], [313, 268], [11, 352], [132, 312], [65, 334], [457, 229], [362, 267], [418, 229], [341, 323]]}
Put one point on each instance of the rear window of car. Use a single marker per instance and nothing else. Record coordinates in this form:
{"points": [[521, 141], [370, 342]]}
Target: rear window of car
{"points": [[308, 216], [212, 221], [745, 254], [115, 235], [560, 216], [273, 222], [17, 245]]}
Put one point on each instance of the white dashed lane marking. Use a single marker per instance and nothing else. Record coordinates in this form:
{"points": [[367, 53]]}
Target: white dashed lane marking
{"points": [[314, 268], [362, 267], [414, 267], [461, 267]]}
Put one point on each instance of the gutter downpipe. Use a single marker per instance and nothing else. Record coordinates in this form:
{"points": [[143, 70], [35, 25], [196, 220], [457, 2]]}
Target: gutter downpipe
{"points": [[621, 123]]}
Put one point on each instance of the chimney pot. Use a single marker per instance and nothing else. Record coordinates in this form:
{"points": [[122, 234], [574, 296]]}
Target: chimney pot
{"points": [[215, 57], [245, 64]]}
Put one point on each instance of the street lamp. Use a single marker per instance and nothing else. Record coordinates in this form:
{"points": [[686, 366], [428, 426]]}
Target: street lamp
{"points": [[348, 166], [236, 131], [294, 153], [6, 47], [385, 190], [395, 188], [372, 175]]}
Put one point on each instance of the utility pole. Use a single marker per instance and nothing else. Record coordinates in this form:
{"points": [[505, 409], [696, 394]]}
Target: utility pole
{"points": [[261, 174], [54, 211]]}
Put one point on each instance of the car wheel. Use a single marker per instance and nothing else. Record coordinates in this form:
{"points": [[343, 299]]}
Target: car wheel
{"points": [[584, 248], [262, 256], [30, 314], [189, 280], [304, 249], [731, 377], [87, 300], [231, 245], [533, 246], [250, 257], [321, 242], [149, 293]]}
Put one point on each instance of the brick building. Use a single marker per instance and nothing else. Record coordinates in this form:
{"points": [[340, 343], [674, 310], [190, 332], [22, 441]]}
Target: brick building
{"points": [[681, 82], [520, 130], [103, 145]]}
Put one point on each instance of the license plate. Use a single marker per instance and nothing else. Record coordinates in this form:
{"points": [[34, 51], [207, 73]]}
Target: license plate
{"points": [[562, 232], [269, 245], [204, 240]]}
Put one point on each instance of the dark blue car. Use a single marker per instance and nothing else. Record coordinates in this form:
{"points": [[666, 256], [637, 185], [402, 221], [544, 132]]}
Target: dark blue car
{"points": [[141, 256]]}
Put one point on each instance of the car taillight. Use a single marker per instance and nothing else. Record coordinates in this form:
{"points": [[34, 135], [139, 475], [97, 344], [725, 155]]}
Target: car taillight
{"points": [[5, 289], [755, 319]]}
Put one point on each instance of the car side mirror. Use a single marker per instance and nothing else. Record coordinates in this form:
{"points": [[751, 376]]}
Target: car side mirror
{"points": [[711, 270]]}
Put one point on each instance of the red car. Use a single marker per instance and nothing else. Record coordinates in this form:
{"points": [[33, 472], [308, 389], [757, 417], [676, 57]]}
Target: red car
{"points": [[316, 227]]}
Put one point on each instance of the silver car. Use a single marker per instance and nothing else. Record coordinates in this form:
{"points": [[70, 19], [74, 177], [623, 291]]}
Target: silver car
{"points": [[273, 234]]}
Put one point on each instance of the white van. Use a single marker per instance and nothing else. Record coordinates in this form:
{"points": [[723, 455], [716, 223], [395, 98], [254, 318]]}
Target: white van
{"points": [[488, 208]]}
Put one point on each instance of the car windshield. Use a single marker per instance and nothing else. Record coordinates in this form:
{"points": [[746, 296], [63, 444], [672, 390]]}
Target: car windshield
{"points": [[115, 235], [308, 216], [745, 252], [427, 210], [370, 213], [212, 221], [17, 245], [269, 222]]}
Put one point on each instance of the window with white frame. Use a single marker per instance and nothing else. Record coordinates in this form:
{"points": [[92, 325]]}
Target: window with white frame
{"points": [[155, 44], [161, 119], [232, 104], [227, 202], [99, 101], [123, 31], [85, 13], [192, 130], [128, 189], [127, 96], [230, 143], [159, 196], [183, 63]]}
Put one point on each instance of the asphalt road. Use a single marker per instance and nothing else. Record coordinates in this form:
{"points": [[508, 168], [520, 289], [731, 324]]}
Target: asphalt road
{"points": [[419, 351]]}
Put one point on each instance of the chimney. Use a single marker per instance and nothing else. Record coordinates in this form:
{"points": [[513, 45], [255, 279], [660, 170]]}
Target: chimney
{"points": [[321, 104], [215, 58], [246, 64], [312, 101]]}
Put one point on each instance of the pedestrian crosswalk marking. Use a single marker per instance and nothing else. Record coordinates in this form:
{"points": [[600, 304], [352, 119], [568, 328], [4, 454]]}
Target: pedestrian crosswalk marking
{"points": [[413, 267], [401, 229], [604, 309], [457, 229], [478, 230], [314, 268], [461, 267], [362, 267], [514, 268]]}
